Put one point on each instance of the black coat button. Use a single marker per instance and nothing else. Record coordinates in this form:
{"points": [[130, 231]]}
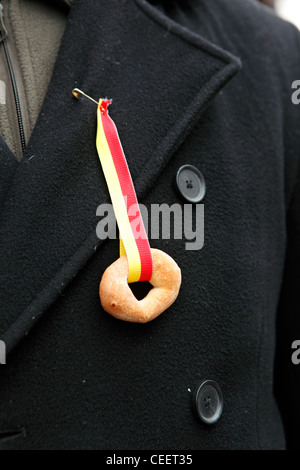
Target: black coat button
{"points": [[190, 183], [208, 401]]}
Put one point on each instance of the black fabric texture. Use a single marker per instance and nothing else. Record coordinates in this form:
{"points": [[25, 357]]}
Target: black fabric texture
{"points": [[64, 4], [202, 83]]}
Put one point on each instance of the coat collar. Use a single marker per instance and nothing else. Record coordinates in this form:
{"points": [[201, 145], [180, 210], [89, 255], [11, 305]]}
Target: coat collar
{"points": [[64, 3], [161, 77]]}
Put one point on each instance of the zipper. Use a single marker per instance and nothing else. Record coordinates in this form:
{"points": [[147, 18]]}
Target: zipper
{"points": [[3, 36]]}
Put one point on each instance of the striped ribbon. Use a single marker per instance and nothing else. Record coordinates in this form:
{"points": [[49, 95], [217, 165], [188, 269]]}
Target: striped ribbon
{"points": [[123, 197]]}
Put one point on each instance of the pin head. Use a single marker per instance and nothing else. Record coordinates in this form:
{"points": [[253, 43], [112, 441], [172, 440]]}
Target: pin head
{"points": [[76, 92]]}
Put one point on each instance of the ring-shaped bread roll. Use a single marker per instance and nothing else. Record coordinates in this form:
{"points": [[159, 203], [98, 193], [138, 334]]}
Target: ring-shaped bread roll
{"points": [[118, 299]]}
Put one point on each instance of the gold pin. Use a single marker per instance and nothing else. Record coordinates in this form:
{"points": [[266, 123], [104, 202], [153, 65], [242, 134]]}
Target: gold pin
{"points": [[76, 92]]}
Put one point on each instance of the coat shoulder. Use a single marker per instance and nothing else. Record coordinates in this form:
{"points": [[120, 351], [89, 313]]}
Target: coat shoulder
{"points": [[259, 27]]}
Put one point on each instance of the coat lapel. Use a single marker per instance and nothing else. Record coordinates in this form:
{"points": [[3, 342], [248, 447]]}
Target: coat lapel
{"points": [[161, 77], [8, 165]]}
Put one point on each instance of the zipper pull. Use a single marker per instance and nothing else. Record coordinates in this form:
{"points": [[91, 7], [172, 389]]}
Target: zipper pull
{"points": [[3, 32]]}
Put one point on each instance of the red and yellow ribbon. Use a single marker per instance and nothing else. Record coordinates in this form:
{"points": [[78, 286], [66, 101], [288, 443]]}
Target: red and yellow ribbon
{"points": [[123, 197]]}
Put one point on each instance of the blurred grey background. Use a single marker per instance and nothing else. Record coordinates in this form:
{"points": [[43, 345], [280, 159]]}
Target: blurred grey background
{"points": [[288, 9]]}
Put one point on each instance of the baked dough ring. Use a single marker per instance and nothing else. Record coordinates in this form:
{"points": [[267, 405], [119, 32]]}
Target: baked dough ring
{"points": [[118, 300]]}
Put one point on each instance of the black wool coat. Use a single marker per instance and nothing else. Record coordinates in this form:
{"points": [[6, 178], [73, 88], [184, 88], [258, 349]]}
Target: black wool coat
{"points": [[206, 83]]}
